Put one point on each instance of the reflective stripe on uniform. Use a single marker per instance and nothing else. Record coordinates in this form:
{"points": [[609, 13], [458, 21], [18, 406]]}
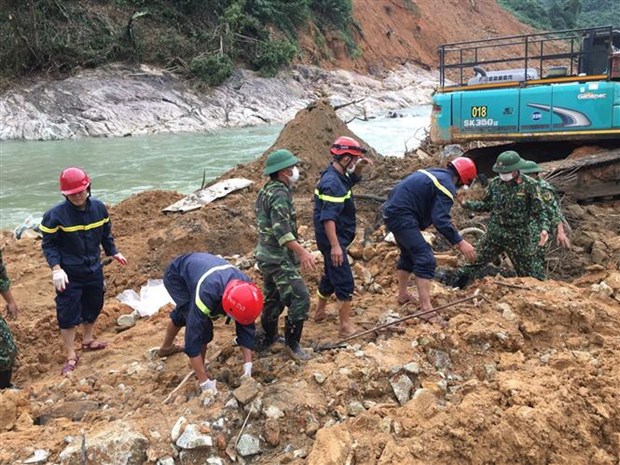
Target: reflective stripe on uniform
{"points": [[438, 184], [199, 303], [329, 198], [79, 227]]}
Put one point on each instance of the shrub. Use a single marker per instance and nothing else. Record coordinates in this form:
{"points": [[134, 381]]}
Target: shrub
{"points": [[212, 69], [271, 55]]}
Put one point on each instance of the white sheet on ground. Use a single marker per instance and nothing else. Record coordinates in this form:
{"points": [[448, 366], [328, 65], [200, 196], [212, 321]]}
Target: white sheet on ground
{"points": [[152, 297]]}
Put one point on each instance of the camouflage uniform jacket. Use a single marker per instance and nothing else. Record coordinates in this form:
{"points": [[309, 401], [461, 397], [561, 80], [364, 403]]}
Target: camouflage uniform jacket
{"points": [[8, 350], [514, 207], [277, 223], [552, 204]]}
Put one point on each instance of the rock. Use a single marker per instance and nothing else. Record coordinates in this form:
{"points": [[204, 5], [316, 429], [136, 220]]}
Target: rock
{"points": [[247, 391], [165, 461], [8, 413], [390, 238], [232, 404], [273, 412], [178, 428], [355, 408], [602, 289], [319, 377], [243, 264], [446, 260], [412, 368], [73, 410], [39, 456], [271, 432], [368, 253], [126, 320], [248, 445], [155, 242], [116, 443], [355, 250], [214, 461], [331, 446], [402, 387], [192, 438], [599, 252]]}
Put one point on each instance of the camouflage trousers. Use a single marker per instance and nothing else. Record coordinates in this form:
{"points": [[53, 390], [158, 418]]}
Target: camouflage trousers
{"points": [[8, 350], [521, 246], [283, 287]]}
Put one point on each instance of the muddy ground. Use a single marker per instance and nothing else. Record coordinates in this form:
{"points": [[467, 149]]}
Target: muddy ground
{"points": [[526, 372]]}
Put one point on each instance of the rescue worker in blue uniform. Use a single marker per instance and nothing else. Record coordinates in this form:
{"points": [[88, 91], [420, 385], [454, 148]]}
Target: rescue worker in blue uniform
{"points": [[423, 198], [205, 287], [334, 227], [73, 233]]}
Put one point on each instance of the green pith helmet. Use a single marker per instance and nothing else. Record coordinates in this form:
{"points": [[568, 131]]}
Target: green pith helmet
{"points": [[531, 167], [279, 160], [508, 161]]}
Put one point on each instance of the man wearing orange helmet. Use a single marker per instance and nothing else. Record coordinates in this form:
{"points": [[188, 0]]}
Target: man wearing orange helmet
{"points": [[73, 233], [334, 227], [423, 198], [205, 287]]}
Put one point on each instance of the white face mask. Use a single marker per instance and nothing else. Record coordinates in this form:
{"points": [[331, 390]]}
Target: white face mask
{"points": [[351, 167], [295, 176], [505, 177]]}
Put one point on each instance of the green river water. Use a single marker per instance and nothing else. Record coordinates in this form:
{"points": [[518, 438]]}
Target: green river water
{"points": [[120, 167]]}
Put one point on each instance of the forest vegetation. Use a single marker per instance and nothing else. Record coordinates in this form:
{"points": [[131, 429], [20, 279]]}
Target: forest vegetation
{"points": [[206, 39]]}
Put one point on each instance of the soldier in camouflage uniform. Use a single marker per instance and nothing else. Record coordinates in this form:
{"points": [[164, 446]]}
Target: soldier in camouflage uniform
{"points": [[518, 225], [8, 350], [279, 254], [552, 205]]}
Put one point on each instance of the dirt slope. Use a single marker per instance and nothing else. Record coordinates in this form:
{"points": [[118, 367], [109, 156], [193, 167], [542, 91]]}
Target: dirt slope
{"points": [[393, 32], [526, 373]]}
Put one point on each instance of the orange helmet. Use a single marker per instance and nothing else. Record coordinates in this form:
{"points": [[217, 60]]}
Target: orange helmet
{"points": [[347, 146], [73, 180], [465, 168], [242, 301]]}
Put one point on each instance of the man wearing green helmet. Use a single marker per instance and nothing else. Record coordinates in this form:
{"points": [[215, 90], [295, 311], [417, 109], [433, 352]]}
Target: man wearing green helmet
{"points": [[518, 225], [279, 254], [552, 204]]}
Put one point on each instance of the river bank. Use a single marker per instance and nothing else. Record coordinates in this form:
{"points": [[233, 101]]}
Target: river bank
{"points": [[119, 101]]}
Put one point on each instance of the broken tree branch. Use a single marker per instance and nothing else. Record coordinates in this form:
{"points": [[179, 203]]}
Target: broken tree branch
{"points": [[338, 107]]}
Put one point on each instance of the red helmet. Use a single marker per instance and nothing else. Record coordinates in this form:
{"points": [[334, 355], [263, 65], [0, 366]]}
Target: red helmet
{"points": [[347, 146], [73, 180], [465, 168], [242, 301]]}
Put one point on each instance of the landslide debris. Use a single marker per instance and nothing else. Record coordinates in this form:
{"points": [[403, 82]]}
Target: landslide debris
{"points": [[525, 374]]}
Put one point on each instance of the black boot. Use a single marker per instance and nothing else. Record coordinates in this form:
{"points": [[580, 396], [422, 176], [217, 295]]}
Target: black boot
{"points": [[292, 337], [462, 280], [270, 334]]}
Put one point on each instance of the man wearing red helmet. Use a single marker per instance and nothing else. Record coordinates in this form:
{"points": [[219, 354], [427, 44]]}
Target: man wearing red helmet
{"points": [[334, 227], [423, 198], [73, 233], [205, 287]]}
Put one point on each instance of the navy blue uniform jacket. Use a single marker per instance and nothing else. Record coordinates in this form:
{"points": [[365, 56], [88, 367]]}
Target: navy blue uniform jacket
{"points": [[333, 200], [207, 292], [73, 238], [417, 202]]}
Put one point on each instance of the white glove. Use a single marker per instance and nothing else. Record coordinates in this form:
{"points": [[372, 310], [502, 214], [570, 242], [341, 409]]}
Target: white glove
{"points": [[60, 279], [119, 258], [247, 370], [208, 385]]}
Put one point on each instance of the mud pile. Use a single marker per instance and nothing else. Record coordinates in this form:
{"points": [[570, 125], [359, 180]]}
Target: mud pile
{"points": [[526, 372]]}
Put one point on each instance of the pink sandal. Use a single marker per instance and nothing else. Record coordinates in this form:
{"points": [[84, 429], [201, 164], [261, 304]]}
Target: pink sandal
{"points": [[69, 366], [94, 345]]}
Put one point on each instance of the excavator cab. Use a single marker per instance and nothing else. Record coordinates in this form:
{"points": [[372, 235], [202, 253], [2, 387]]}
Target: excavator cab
{"points": [[546, 93]]}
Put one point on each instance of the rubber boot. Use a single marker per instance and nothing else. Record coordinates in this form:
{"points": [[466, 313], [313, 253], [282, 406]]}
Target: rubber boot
{"points": [[292, 337], [462, 280], [270, 336]]}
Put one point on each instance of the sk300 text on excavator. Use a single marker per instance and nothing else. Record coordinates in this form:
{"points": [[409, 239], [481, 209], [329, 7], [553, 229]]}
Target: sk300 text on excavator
{"points": [[544, 95]]}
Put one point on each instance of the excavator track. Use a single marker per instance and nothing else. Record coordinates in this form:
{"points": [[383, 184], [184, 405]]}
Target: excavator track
{"points": [[591, 177]]}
